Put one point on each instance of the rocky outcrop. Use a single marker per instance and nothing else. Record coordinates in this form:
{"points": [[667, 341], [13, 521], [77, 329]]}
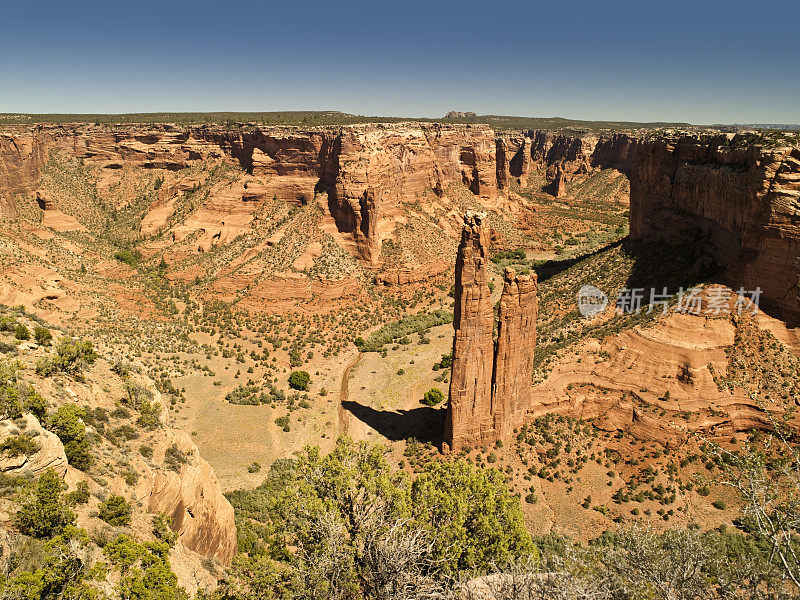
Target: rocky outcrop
{"points": [[744, 198], [513, 359], [48, 453], [469, 412], [192, 497], [490, 383], [559, 186], [579, 154], [513, 160]]}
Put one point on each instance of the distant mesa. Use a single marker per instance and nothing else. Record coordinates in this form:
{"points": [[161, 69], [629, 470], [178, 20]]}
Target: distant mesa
{"points": [[455, 114]]}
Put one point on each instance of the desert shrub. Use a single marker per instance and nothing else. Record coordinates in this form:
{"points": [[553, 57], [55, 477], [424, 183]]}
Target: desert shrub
{"points": [[20, 444], [175, 458], [71, 357], [283, 422], [299, 380], [36, 404], [120, 413], [146, 451], [445, 363], [42, 335], [7, 323], [10, 393], [120, 368], [433, 397], [129, 257], [21, 332], [162, 530], [149, 415], [80, 495], [254, 467], [42, 514], [66, 423], [145, 571], [115, 511], [136, 394], [244, 394], [126, 432]]}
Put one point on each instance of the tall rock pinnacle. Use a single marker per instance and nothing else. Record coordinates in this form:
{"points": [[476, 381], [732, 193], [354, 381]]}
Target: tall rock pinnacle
{"points": [[513, 359], [490, 382], [469, 411]]}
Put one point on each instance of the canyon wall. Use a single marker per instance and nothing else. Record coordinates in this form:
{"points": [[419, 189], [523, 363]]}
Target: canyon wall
{"points": [[490, 382], [744, 195], [366, 171], [573, 154], [745, 198]]}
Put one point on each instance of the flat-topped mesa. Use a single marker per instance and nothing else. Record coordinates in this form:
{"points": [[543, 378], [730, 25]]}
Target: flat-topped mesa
{"points": [[490, 382], [469, 418], [513, 359]]}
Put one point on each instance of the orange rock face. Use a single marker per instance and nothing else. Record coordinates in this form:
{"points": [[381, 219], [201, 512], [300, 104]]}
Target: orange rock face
{"points": [[490, 384], [363, 172], [745, 200], [469, 413], [513, 359]]}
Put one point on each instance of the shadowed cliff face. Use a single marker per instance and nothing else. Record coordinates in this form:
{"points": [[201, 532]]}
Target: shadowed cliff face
{"points": [[747, 199]]}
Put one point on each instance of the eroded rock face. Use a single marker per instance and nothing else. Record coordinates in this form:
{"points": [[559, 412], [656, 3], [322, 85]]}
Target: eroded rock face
{"points": [[746, 199], [366, 171], [192, 497], [560, 182], [490, 384], [513, 359], [49, 455], [469, 413]]}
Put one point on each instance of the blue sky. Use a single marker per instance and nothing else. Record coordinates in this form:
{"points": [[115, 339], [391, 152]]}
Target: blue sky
{"points": [[701, 61]]}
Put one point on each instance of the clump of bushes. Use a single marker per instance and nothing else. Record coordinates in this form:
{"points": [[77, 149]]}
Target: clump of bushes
{"points": [[42, 513], [299, 380], [175, 458], [71, 357], [67, 424], [115, 511], [433, 397]]}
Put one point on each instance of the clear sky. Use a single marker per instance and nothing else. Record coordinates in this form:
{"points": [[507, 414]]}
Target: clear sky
{"points": [[704, 61]]}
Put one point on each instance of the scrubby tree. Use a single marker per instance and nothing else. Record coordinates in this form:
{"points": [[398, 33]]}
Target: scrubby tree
{"points": [[42, 513], [473, 518], [433, 397], [145, 571], [115, 511], [42, 335], [299, 380], [67, 424]]}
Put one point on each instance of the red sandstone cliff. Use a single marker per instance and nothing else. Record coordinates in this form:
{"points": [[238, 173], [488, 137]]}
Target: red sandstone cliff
{"points": [[513, 359], [367, 171], [746, 198]]}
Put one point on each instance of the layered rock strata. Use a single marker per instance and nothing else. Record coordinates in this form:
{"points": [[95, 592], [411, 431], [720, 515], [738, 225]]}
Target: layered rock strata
{"points": [[366, 171], [490, 382], [743, 203]]}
